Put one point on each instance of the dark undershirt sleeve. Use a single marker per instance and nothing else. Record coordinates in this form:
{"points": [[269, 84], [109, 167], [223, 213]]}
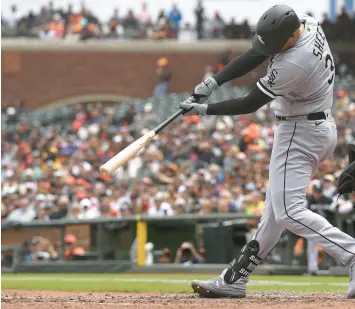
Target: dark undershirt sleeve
{"points": [[239, 106], [239, 66]]}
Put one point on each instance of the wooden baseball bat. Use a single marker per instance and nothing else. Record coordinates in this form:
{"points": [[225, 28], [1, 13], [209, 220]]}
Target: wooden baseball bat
{"points": [[130, 151]]}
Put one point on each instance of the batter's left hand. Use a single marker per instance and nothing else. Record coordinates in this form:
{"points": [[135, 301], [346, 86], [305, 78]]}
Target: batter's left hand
{"points": [[193, 108]]}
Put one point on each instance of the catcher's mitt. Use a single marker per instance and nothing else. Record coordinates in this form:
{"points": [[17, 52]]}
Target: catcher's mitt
{"points": [[346, 182]]}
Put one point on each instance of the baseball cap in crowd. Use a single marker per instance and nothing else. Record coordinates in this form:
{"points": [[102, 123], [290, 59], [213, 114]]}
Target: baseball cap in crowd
{"points": [[85, 203], [70, 239]]}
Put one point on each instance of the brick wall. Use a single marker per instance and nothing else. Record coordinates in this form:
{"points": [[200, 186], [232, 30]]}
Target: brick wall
{"points": [[39, 77], [41, 72]]}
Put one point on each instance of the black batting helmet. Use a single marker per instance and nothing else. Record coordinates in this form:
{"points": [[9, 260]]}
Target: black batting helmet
{"points": [[274, 28]]}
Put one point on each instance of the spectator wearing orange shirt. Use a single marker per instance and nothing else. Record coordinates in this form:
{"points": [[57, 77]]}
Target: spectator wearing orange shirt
{"points": [[57, 26], [71, 248]]}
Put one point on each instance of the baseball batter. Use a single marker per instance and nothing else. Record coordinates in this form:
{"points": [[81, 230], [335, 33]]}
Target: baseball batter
{"points": [[299, 84]]}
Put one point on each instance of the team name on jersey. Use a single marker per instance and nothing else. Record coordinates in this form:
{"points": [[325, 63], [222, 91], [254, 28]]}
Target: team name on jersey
{"points": [[319, 43]]}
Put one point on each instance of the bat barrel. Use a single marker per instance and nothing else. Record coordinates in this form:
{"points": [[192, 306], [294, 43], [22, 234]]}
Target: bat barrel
{"points": [[130, 151], [126, 154]]}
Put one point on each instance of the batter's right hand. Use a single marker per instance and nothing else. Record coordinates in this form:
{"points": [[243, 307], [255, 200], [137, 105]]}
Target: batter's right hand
{"points": [[191, 108], [203, 91]]}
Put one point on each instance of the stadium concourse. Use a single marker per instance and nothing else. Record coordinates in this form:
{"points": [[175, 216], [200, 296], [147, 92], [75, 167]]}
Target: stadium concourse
{"points": [[51, 159]]}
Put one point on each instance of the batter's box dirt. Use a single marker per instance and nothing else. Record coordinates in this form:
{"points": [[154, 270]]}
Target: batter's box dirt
{"points": [[54, 299]]}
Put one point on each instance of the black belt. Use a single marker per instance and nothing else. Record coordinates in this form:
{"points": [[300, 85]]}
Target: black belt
{"points": [[312, 116]]}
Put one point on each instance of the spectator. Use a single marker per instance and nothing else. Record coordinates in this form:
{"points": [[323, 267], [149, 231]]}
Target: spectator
{"points": [[13, 18], [160, 207], [179, 206], [187, 254], [115, 19], [199, 11], [144, 17], [44, 17], [245, 32], [71, 249], [318, 203], [57, 26], [202, 252], [87, 210], [47, 33], [161, 16], [51, 9], [149, 257], [217, 26], [62, 209], [329, 188], [112, 33], [41, 249], [166, 257], [90, 25], [130, 26], [231, 30], [74, 24], [253, 204], [23, 212], [164, 75], [162, 30], [175, 18]]}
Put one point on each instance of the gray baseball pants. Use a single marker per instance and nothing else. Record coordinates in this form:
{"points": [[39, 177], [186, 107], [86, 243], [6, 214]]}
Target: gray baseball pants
{"points": [[299, 146]]}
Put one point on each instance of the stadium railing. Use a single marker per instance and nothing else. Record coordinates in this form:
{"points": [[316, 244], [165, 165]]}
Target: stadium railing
{"points": [[105, 234], [112, 238]]}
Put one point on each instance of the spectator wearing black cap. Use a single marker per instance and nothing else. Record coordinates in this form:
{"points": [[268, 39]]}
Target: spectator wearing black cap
{"points": [[317, 201], [199, 10]]}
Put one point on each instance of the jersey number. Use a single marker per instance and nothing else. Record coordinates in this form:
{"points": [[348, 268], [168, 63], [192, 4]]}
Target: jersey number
{"points": [[328, 59]]}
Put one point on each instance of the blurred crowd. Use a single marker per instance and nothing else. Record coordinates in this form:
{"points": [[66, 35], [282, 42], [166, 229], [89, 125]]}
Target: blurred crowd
{"points": [[54, 22], [196, 165]]}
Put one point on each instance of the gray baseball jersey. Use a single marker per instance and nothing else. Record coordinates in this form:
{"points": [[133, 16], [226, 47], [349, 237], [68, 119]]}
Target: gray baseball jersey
{"points": [[301, 79]]}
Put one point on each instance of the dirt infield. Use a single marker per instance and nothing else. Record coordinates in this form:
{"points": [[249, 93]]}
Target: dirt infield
{"points": [[53, 299]]}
